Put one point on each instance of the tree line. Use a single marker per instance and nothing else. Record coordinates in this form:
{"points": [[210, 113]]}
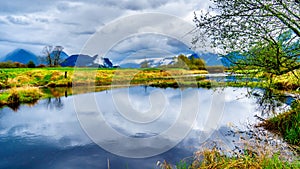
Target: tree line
{"points": [[10, 64]]}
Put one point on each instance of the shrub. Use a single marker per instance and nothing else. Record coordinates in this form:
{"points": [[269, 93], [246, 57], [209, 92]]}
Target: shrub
{"points": [[14, 97], [31, 64]]}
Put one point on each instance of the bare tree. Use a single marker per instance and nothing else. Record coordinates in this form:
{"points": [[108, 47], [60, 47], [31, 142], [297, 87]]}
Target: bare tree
{"points": [[52, 55], [47, 50], [56, 55]]}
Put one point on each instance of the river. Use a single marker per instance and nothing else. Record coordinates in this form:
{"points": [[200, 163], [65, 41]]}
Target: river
{"points": [[54, 133]]}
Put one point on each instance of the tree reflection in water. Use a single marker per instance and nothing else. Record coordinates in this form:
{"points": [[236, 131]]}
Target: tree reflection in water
{"points": [[270, 102], [55, 100], [54, 103]]}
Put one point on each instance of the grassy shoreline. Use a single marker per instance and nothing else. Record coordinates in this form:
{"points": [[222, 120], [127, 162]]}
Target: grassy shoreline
{"points": [[23, 85], [14, 79], [216, 159], [287, 124], [64, 77], [16, 96]]}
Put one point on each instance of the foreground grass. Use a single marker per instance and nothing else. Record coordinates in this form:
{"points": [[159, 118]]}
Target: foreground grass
{"points": [[215, 159]]}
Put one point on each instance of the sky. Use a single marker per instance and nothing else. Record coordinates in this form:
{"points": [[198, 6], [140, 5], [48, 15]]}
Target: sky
{"points": [[34, 24]]}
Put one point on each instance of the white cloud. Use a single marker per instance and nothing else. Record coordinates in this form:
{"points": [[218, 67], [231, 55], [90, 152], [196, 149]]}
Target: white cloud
{"points": [[70, 23], [136, 48]]}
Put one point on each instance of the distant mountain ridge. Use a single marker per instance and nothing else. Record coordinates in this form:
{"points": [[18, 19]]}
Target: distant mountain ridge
{"points": [[210, 59], [81, 60], [22, 56], [85, 60]]}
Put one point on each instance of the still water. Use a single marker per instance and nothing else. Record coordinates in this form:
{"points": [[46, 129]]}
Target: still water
{"points": [[49, 134]]}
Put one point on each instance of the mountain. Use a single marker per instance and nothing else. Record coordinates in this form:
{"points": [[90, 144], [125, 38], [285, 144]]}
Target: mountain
{"points": [[62, 56], [210, 59], [231, 57], [161, 62], [103, 62], [152, 62], [22, 56], [130, 65], [81, 60]]}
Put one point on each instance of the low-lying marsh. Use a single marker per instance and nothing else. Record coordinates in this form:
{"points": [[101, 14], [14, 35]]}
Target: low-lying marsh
{"points": [[16, 96], [63, 77]]}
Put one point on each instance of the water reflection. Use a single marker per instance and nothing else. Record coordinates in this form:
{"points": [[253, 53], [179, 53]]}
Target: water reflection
{"points": [[48, 134], [54, 96], [270, 102]]}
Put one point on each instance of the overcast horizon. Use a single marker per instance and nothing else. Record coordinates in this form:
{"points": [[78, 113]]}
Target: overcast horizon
{"points": [[70, 23]]}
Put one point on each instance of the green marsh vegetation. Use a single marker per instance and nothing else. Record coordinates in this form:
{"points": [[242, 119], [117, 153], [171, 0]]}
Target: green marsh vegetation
{"points": [[58, 77], [15, 96], [55, 77]]}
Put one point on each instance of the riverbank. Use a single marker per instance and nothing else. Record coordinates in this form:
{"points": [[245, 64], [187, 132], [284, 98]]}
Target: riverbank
{"points": [[64, 77], [217, 159], [287, 124], [263, 149], [16, 96], [26, 85], [15, 79]]}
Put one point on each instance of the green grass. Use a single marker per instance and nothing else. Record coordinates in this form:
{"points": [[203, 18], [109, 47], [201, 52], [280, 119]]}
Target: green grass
{"points": [[287, 124], [215, 159], [16, 78], [54, 77], [16, 96], [286, 82]]}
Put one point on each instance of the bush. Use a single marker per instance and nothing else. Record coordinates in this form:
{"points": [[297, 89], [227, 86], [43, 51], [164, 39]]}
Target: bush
{"points": [[7, 64], [30, 64], [41, 66], [14, 97], [10, 64]]}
